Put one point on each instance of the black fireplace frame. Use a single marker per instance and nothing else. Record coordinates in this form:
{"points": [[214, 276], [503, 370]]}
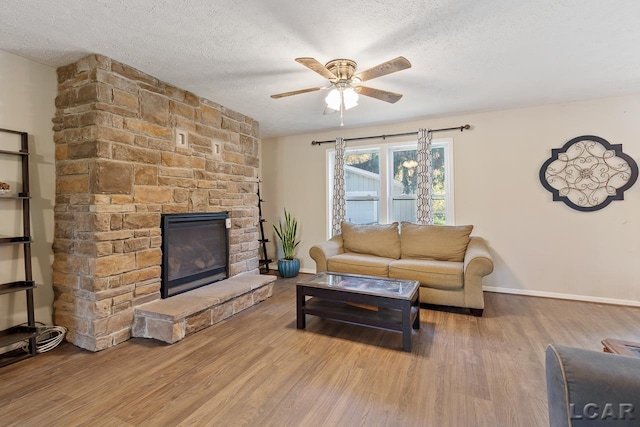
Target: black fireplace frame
{"points": [[195, 281]]}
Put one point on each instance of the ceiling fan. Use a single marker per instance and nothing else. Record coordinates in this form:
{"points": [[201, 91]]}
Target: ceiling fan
{"points": [[346, 84]]}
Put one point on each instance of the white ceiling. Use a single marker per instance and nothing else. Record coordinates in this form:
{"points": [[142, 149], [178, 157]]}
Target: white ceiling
{"points": [[467, 55]]}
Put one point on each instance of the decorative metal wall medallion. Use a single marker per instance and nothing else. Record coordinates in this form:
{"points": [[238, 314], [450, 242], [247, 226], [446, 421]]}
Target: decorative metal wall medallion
{"points": [[588, 173]]}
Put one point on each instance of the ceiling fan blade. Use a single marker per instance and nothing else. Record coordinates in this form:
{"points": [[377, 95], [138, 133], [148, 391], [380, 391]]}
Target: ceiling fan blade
{"points": [[316, 66], [382, 95], [296, 92], [398, 64]]}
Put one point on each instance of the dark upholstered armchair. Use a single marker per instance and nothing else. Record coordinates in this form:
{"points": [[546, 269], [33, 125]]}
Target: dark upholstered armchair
{"points": [[590, 388]]}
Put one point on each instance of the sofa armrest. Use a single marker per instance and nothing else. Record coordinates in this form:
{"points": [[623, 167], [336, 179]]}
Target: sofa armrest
{"points": [[477, 264], [586, 387], [477, 259], [325, 250]]}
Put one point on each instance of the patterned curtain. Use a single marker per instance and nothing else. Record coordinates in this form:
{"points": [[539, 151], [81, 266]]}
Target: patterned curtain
{"points": [[425, 177], [339, 199]]}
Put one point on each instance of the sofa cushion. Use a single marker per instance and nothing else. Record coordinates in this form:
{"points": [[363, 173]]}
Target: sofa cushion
{"points": [[430, 273], [438, 242], [381, 240], [367, 265]]}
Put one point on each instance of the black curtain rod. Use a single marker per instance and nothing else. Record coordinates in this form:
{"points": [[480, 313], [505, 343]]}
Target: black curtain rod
{"points": [[460, 128]]}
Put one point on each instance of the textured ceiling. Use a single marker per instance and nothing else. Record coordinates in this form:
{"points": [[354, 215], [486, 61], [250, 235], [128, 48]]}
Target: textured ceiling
{"points": [[467, 55]]}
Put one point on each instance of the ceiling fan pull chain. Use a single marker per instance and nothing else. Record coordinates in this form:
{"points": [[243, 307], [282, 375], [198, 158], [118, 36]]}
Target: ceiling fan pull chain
{"points": [[341, 107]]}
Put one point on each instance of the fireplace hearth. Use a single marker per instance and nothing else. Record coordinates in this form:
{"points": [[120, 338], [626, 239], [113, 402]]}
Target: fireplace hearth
{"points": [[195, 251]]}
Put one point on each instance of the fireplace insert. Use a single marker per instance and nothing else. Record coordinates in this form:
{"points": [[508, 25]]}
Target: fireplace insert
{"points": [[195, 251]]}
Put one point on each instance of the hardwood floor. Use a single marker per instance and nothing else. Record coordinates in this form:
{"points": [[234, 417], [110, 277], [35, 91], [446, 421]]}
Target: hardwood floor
{"points": [[257, 369]]}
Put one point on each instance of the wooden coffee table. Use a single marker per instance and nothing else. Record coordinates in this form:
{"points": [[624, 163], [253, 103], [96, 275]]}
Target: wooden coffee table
{"points": [[625, 348], [363, 300]]}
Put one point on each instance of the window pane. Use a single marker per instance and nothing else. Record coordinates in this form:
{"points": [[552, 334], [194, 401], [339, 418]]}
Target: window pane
{"points": [[404, 205], [439, 201], [405, 164], [362, 211], [403, 185], [439, 206], [404, 209], [362, 181], [439, 177], [368, 160]]}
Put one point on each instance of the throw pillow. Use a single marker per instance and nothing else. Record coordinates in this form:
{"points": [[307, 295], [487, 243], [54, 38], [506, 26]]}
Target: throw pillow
{"points": [[378, 239], [438, 242]]}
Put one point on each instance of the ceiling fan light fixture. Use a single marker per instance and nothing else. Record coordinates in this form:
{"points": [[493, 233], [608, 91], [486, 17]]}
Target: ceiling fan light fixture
{"points": [[333, 99], [350, 98], [338, 97]]}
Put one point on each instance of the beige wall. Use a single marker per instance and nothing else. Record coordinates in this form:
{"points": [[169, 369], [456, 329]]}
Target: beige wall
{"points": [[540, 247], [27, 93]]}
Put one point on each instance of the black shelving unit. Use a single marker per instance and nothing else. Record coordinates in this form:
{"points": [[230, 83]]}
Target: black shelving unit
{"points": [[28, 331], [264, 261]]}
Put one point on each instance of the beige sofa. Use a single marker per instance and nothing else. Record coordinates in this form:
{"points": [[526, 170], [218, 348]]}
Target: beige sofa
{"points": [[448, 263]]}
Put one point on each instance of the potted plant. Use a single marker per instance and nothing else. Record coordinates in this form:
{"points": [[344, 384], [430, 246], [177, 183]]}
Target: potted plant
{"points": [[289, 266]]}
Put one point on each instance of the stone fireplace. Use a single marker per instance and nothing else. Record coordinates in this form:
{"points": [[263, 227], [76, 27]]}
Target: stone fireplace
{"points": [[130, 148]]}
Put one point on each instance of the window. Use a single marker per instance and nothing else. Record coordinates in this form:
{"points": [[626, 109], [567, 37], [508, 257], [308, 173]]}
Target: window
{"points": [[381, 183], [362, 181]]}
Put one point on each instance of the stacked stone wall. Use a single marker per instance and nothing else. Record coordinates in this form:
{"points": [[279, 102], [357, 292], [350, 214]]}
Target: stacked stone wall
{"points": [[118, 168]]}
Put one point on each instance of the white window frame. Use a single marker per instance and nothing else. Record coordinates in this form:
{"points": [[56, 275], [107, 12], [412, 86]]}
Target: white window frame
{"points": [[386, 160]]}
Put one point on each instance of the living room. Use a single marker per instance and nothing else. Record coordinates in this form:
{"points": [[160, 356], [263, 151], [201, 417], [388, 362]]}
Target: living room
{"points": [[582, 264]]}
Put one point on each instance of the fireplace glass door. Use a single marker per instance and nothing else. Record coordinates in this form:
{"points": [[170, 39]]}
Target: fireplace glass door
{"points": [[195, 251]]}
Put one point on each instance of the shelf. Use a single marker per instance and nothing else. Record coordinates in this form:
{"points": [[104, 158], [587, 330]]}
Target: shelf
{"points": [[265, 261], [17, 334], [13, 357], [11, 338], [14, 240], [384, 318], [14, 153], [7, 288], [15, 196]]}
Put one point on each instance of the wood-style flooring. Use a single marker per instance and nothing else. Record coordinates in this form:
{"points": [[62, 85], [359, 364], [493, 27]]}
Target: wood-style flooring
{"points": [[257, 369]]}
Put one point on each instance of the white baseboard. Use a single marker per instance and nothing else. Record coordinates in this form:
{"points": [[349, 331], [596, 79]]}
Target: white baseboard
{"points": [[543, 294]]}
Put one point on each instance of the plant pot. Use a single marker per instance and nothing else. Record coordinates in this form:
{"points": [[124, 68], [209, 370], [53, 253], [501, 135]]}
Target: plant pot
{"points": [[289, 267]]}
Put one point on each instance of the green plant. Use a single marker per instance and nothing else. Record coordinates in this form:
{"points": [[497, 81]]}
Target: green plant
{"points": [[287, 234]]}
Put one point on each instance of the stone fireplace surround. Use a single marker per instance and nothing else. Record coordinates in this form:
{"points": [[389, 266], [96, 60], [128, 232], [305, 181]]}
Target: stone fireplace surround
{"points": [[118, 168]]}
